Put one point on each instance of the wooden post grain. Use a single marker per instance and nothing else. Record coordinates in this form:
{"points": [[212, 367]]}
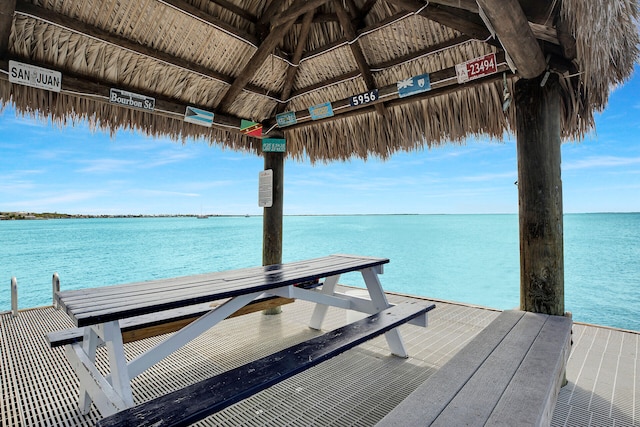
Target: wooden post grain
{"points": [[7, 9], [540, 196], [272, 220]]}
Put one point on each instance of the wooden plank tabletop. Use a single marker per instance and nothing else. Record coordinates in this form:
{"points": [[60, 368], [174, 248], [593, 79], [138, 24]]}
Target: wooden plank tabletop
{"points": [[97, 305]]}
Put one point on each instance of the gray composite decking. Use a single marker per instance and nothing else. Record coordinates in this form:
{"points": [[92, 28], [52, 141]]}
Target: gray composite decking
{"points": [[357, 388]]}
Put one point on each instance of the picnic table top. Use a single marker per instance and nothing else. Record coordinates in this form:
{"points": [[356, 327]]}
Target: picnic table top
{"points": [[90, 306]]}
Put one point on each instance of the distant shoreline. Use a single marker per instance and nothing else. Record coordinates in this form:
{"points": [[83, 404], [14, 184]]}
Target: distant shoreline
{"points": [[22, 216]]}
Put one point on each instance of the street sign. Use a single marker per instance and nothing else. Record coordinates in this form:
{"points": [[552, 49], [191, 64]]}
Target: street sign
{"points": [[274, 145], [476, 68], [130, 99], [30, 75]]}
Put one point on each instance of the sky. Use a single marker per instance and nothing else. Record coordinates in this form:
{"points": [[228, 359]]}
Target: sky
{"points": [[74, 170]]}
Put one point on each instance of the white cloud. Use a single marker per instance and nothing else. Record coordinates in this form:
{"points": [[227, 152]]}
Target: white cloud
{"points": [[487, 177], [106, 165], [50, 201], [154, 193], [601, 161]]}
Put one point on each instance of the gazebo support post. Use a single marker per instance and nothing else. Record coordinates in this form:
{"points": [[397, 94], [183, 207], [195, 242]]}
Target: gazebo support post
{"points": [[540, 195], [272, 219]]}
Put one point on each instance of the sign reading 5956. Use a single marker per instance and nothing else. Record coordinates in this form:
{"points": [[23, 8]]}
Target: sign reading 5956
{"points": [[363, 98]]}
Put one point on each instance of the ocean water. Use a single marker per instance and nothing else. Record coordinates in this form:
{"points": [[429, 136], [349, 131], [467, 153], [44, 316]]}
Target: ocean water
{"points": [[466, 258]]}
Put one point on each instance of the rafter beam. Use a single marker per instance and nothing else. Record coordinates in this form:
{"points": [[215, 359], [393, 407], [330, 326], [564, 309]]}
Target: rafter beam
{"points": [[350, 33], [187, 8], [281, 24], [299, 7], [76, 26], [292, 71], [459, 19], [7, 8], [237, 10], [254, 64], [469, 5], [271, 10], [511, 25], [366, 8], [352, 9], [320, 18]]}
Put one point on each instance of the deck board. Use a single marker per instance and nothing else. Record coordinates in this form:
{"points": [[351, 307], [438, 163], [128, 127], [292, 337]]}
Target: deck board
{"points": [[357, 388]]}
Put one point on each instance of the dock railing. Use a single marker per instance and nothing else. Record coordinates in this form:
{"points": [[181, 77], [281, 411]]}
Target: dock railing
{"points": [[55, 285], [14, 296]]}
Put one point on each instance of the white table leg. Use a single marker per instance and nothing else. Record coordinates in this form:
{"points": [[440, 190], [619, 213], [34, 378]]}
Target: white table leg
{"points": [[108, 396], [320, 310], [90, 343], [380, 302], [120, 380]]}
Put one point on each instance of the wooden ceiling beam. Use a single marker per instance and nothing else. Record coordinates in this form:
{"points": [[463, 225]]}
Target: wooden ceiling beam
{"points": [[459, 19], [352, 9], [468, 5], [366, 8], [7, 9], [350, 33], [513, 30], [299, 7], [320, 18], [297, 54], [281, 24], [227, 5], [184, 6], [76, 26], [270, 11]]}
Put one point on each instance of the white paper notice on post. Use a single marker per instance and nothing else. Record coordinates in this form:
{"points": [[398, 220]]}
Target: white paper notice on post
{"points": [[265, 190]]}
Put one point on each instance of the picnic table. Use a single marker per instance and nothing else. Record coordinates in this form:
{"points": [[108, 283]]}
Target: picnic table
{"points": [[101, 311]]}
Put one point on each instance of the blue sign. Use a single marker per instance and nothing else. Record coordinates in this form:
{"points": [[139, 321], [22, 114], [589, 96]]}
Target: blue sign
{"points": [[414, 85], [198, 116], [274, 145], [286, 119], [321, 111]]}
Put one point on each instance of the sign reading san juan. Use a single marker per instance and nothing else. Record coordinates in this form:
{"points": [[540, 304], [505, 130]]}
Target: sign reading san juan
{"points": [[130, 99], [30, 75]]}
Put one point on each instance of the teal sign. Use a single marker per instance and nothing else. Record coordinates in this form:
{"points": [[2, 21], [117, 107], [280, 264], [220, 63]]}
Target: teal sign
{"points": [[274, 145], [286, 119]]}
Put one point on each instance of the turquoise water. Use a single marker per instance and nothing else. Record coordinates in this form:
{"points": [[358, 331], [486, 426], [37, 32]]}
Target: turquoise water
{"points": [[466, 258]]}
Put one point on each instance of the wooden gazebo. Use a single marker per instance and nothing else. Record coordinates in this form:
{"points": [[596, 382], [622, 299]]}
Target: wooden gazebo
{"points": [[329, 80]]}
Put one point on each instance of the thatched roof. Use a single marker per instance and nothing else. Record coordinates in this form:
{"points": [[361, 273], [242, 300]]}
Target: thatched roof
{"points": [[250, 59]]}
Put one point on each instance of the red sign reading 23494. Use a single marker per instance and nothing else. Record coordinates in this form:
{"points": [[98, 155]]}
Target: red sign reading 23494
{"points": [[476, 68], [482, 66]]}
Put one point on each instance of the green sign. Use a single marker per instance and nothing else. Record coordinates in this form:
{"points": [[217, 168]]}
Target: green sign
{"points": [[274, 145]]}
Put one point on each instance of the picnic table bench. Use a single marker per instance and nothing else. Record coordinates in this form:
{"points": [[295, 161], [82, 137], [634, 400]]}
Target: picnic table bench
{"points": [[508, 375], [103, 314]]}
